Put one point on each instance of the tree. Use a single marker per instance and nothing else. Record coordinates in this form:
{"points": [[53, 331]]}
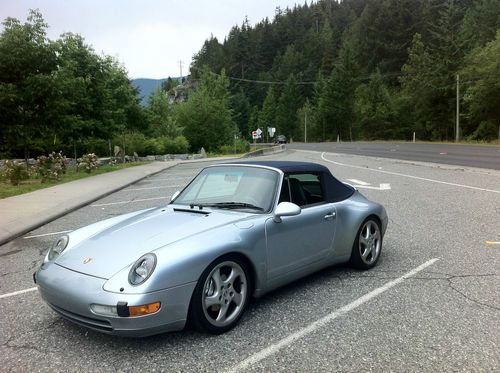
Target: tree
{"points": [[418, 89], [286, 112], [480, 23], [482, 96], [374, 109], [28, 60], [206, 116], [159, 113], [240, 108], [267, 116]]}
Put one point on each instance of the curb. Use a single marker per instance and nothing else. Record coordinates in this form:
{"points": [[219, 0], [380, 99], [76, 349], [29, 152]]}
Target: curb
{"points": [[51, 217]]}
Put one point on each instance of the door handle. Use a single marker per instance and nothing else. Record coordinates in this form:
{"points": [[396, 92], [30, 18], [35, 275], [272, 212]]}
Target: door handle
{"points": [[330, 216]]}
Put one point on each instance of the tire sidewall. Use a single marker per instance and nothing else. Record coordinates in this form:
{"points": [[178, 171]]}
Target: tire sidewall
{"points": [[356, 260], [197, 316]]}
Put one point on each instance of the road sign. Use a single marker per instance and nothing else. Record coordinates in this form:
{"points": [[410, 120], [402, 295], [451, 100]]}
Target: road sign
{"points": [[271, 131], [259, 131], [255, 135]]}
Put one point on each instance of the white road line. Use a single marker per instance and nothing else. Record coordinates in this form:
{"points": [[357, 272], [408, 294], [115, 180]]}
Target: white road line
{"points": [[17, 292], [276, 347], [381, 187], [45, 234], [359, 182], [410, 176], [123, 202]]}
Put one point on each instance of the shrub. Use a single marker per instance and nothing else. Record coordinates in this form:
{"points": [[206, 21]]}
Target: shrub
{"points": [[15, 171], [94, 145], [239, 146], [132, 141], [51, 167], [485, 131], [178, 145], [88, 162], [153, 147]]}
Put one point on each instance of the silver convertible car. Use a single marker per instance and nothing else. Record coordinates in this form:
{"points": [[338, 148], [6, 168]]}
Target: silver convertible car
{"points": [[236, 231]]}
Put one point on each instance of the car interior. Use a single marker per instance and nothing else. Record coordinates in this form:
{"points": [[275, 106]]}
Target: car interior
{"points": [[302, 189]]}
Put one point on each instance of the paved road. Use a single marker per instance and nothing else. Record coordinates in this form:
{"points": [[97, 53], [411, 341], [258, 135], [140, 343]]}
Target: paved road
{"points": [[453, 154], [445, 317]]}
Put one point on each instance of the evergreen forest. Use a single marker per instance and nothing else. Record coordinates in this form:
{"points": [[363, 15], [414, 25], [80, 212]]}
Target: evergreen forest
{"points": [[365, 70], [325, 70]]}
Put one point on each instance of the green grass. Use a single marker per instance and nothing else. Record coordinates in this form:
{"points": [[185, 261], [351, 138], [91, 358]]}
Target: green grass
{"points": [[30, 185]]}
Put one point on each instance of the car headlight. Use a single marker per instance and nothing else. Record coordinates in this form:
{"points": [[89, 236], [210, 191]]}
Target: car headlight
{"points": [[58, 247], [142, 269]]}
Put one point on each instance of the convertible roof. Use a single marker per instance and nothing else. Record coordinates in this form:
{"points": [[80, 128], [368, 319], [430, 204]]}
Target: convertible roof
{"points": [[289, 166], [335, 190]]}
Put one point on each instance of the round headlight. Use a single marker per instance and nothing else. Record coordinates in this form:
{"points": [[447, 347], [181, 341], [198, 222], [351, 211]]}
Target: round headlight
{"points": [[58, 247], [142, 269]]}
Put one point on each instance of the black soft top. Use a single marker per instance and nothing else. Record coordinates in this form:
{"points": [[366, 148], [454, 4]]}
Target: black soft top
{"points": [[335, 190]]}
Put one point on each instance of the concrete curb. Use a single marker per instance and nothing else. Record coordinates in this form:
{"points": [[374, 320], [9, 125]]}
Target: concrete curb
{"points": [[266, 151], [8, 233], [47, 218]]}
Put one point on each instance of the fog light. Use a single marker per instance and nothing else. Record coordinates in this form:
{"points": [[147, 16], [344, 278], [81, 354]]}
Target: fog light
{"points": [[145, 309], [101, 309]]}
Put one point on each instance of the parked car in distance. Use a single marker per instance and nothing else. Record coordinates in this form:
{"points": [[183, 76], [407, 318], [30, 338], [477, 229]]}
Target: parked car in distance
{"points": [[236, 231], [281, 139]]}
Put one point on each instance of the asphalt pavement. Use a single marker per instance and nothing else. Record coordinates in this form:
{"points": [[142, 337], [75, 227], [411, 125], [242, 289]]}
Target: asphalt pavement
{"points": [[431, 304], [483, 156]]}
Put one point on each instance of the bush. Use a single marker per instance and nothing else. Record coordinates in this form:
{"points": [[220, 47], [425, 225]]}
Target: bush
{"points": [[178, 145], [94, 145], [88, 162], [134, 142], [239, 146], [485, 131], [51, 167], [15, 171], [153, 147]]}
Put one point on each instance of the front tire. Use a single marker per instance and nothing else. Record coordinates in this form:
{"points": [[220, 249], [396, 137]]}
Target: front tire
{"points": [[221, 296], [367, 245]]}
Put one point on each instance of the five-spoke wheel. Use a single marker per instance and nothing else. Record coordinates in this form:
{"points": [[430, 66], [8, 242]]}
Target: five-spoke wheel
{"points": [[368, 245], [221, 296]]}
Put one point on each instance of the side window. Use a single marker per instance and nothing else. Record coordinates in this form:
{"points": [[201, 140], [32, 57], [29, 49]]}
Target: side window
{"points": [[306, 189]]}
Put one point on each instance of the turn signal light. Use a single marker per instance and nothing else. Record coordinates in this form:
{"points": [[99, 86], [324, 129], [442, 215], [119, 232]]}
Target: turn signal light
{"points": [[145, 309]]}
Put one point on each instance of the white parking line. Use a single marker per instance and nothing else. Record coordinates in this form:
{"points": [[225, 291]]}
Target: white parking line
{"points": [[410, 176], [276, 347], [18, 292], [123, 202], [45, 234], [177, 178], [158, 187]]}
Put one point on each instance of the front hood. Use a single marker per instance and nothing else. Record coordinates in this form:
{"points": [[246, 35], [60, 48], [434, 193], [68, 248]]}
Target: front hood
{"points": [[118, 246]]}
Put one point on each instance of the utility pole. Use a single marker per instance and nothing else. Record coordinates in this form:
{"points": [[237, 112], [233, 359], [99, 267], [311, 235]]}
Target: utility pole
{"points": [[305, 125], [180, 67], [457, 135]]}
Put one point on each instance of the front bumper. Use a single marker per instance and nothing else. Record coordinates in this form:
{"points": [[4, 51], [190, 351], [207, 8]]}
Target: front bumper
{"points": [[71, 293]]}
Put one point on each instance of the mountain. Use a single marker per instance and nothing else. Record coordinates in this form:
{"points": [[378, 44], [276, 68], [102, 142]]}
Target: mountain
{"points": [[146, 87]]}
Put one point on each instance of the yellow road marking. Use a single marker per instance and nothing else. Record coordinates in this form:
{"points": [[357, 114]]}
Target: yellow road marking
{"points": [[492, 242]]}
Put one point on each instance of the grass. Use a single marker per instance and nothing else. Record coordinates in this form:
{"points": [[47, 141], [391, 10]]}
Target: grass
{"points": [[30, 185]]}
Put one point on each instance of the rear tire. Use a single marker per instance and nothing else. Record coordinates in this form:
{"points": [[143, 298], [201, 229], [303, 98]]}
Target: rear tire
{"points": [[367, 246], [221, 295]]}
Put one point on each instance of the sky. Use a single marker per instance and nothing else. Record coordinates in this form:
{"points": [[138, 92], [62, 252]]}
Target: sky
{"points": [[148, 37]]}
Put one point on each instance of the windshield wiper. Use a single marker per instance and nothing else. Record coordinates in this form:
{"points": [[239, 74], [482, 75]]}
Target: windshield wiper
{"points": [[228, 205]]}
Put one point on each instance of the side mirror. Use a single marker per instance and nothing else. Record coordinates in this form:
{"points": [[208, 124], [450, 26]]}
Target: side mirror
{"points": [[285, 209], [174, 196]]}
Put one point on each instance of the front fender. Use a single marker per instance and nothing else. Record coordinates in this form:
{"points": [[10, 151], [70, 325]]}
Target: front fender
{"points": [[184, 261]]}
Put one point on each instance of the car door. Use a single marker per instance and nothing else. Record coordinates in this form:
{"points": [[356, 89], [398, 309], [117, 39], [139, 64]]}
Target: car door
{"points": [[305, 239]]}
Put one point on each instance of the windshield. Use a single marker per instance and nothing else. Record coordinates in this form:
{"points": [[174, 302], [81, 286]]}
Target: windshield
{"points": [[231, 187]]}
